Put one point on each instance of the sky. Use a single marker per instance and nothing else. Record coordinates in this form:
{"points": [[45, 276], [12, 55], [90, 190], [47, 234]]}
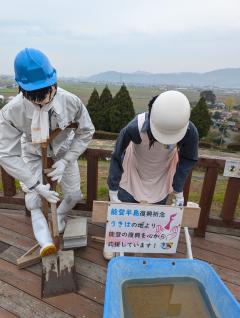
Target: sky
{"points": [[85, 37]]}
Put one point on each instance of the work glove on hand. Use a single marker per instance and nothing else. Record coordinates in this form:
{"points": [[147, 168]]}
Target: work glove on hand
{"points": [[44, 191], [113, 195], [179, 199], [59, 167]]}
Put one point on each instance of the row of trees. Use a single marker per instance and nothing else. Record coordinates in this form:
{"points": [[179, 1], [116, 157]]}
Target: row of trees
{"points": [[110, 113], [113, 113]]}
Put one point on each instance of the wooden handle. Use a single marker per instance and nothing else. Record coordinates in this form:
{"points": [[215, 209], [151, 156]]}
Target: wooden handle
{"points": [[54, 219]]}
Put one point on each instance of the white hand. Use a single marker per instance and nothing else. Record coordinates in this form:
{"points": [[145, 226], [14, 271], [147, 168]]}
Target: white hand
{"points": [[179, 199], [44, 191], [59, 167], [113, 195]]}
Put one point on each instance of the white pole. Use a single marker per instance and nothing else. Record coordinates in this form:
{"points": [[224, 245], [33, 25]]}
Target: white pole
{"points": [[188, 242]]}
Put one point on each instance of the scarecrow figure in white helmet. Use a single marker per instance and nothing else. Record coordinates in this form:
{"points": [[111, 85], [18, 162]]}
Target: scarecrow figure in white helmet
{"points": [[25, 123], [154, 153]]}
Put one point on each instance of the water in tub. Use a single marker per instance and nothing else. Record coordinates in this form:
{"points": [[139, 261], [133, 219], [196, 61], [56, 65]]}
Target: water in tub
{"points": [[165, 298]]}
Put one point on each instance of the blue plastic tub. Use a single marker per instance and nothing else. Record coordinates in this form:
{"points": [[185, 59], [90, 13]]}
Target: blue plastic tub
{"points": [[122, 269]]}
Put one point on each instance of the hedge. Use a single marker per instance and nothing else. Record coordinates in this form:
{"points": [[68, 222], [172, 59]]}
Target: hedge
{"points": [[234, 147], [106, 135]]}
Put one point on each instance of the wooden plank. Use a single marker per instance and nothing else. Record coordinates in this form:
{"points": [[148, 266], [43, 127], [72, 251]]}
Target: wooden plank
{"points": [[9, 188], [24, 305], [24, 243], [91, 270], [229, 225], [191, 217], [230, 199], [31, 257], [95, 245], [207, 161], [98, 153], [6, 314], [98, 245], [208, 188], [228, 275], [98, 239], [55, 232], [77, 305], [92, 255], [96, 230], [3, 246], [208, 257], [17, 215], [92, 180], [15, 225], [235, 290], [202, 253], [100, 208], [228, 251], [87, 287], [187, 188], [73, 304], [211, 257], [15, 239], [12, 254], [83, 209], [225, 240], [12, 200], [28, 260], [222, 230], [91, 289]]}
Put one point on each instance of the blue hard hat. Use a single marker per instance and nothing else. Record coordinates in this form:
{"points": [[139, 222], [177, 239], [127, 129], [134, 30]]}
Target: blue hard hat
{"points": [[33, 70]]}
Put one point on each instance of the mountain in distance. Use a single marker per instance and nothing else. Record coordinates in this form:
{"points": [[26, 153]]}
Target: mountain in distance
{"points": [[228, 78], [223, 78]]}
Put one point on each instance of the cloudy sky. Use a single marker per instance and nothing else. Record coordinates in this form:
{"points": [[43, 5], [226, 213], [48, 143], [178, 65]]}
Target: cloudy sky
{"points": [[84, 37]]}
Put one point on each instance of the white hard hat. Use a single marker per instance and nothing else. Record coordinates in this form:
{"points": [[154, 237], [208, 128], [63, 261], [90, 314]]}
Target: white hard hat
{"points": [[169, 117]]}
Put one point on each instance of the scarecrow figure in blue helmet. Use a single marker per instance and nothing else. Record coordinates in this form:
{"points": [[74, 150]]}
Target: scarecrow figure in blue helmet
{"points": [[25, 123]]}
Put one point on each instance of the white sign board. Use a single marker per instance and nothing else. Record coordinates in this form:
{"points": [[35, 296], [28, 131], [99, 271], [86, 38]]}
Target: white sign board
{"points": [[142, 228], [232, 168]]}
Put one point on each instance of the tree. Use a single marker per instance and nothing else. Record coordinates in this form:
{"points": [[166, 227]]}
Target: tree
{"points": [[200, 116], [122, 110], [223, 131], [94, 108], [229, 102], [106, 101], [209, 96]]}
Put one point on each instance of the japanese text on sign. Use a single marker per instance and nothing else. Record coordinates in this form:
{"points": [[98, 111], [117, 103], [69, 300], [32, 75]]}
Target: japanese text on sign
{"points": [[143, 228]]}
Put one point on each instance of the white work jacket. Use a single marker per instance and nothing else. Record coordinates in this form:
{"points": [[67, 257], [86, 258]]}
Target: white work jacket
{"points": [[15, 129]]}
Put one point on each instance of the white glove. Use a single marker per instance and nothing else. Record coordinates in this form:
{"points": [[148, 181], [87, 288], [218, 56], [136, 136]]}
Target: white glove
{"points": [[179, 199], [59, 167], [113, 195], [44, 191]]}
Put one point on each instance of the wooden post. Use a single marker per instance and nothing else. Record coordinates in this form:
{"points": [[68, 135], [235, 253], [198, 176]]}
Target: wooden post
{"points": [[230, 199], [208, 188], [9, 188], [92, 179], [187, 188], [45, 206]]}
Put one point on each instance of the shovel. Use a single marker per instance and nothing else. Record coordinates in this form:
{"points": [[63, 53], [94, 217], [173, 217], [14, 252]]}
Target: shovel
{"points": [[58, 270]]}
